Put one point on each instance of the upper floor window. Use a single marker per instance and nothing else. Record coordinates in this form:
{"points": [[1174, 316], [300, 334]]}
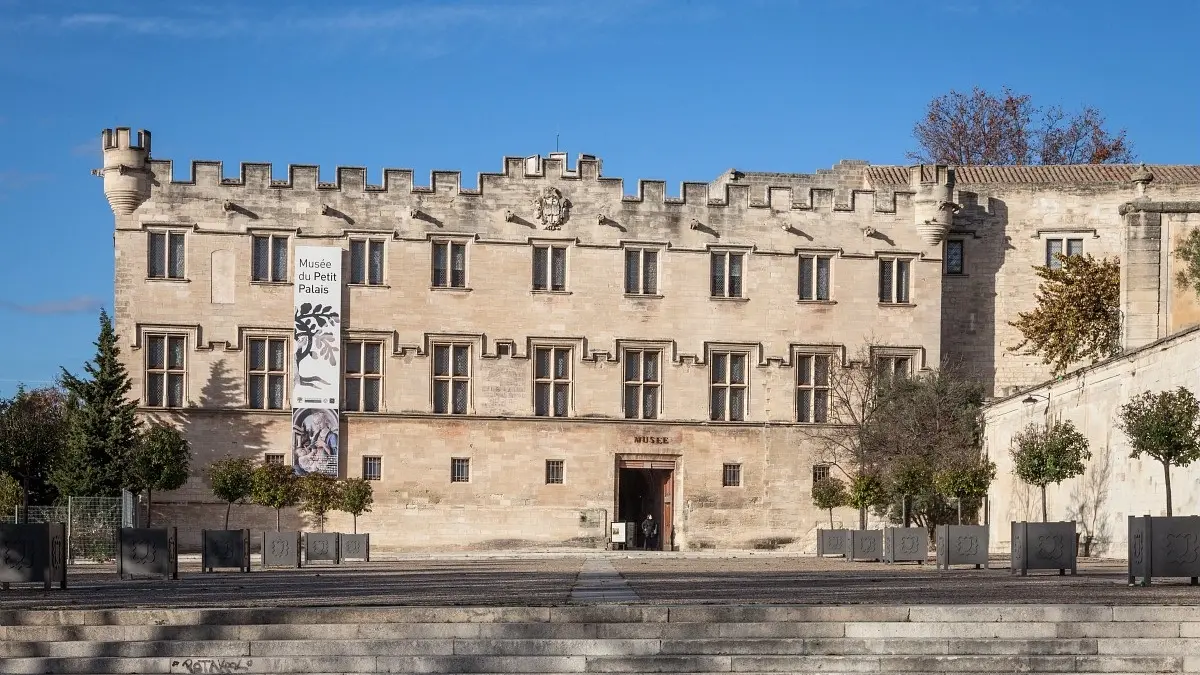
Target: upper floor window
{"points": [[551, 381], [890, 367], [165, 255], [814, 277], [1054, 248], [165, 370], [812, 388], [894, 280], [267, 373], [642, 383], [449, 264], [641, 271], [366, 262], [451, 379], [726, 274], [549, 268], [270, 258], [954, 256], [364, 376], [728, 399]]}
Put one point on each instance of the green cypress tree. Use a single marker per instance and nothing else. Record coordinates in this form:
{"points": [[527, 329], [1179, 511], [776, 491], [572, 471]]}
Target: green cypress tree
{"points": [[104, 425]]}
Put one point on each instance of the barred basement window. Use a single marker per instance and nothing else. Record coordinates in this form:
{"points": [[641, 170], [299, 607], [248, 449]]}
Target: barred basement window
{"points": [[551, 381], [165, 370], [549, 268], [364, 376], [954, 256], [642, 383], [728, 392], [731, 476], [268, 373], [273, 458], [451, 379], [372, 468], [366, 262], [554, 472], [726, 274], [812, 388], [1054, 248], [814, 277], [270, 258], [449, 264], [460, 470], [165, 255], [894, 280], [820, 472], [641, 271]]}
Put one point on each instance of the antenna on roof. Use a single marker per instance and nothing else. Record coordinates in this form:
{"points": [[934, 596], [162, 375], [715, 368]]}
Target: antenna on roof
{"points": [[556, 141]]}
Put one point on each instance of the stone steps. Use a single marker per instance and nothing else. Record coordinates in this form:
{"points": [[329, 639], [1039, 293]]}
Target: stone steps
{"points": [[607, 638]]}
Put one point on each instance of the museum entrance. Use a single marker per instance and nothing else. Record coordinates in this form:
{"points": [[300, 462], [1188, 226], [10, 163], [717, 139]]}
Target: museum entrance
{"points": [[647, 488]]}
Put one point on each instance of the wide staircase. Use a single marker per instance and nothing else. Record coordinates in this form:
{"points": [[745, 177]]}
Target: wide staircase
{"points": [[607, 638]]}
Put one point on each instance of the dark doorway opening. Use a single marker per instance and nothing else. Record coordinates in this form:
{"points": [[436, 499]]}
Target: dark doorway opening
{"points": [[647, 492]]}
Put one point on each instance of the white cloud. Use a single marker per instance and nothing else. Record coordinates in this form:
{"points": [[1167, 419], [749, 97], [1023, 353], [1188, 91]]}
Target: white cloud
{"points": [[75, 305]]}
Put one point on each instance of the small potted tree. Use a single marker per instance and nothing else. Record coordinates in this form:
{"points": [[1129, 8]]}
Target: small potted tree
{"points": [[1166, 427], [276, 486], [355, 498], [1046, 454], [866, 490], [232, 482], [828, 494], [320, 494]]}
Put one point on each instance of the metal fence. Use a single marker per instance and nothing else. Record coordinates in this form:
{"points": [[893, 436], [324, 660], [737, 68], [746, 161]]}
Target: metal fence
{"points": [[92, 524]]}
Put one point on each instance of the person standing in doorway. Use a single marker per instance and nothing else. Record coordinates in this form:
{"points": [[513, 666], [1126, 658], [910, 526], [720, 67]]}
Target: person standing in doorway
{"points": [[650, 532]]}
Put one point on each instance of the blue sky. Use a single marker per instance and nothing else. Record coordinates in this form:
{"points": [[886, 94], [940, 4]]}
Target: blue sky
{"points": [[669, 89]]}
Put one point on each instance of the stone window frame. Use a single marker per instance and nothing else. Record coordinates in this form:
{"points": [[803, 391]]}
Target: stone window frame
{"points": [[460, 469], [362, 376], [552, 380], [267, 372], [640, 382], [166, 371], [897, 263], [372, 467], [637, 252], [547, 282], [731, 475], [556, 472], [273, 274], [962, 257], [450, 378], [809, 282], [1064, 242], [727, 291], [368, 244], [831, 354], [448, 245], [169, 235], [887, 359], [729, 350]]}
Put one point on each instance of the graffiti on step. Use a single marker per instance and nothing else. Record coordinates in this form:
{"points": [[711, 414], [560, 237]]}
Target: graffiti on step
{"points": [[211, 666]]}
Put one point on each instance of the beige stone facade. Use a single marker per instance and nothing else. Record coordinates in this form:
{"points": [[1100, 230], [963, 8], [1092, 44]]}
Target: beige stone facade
{"points": [[184, 260]]}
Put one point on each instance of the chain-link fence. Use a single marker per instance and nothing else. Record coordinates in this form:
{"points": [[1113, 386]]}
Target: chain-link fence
{"points": [[92, 524]]}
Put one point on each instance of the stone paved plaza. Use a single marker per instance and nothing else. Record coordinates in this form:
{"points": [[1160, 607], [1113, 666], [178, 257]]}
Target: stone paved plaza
{"points": [[550, 580]]}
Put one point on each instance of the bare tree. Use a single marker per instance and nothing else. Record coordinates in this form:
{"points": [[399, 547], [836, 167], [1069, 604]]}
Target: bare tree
{"points": [[982, 128]]}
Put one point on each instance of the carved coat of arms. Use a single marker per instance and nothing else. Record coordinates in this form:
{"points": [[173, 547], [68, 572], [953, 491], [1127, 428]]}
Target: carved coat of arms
{"points": [[552, 208]]}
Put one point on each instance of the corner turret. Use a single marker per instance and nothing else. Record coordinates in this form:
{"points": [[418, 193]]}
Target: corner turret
{"points": [[126, 169], [933, 201]]}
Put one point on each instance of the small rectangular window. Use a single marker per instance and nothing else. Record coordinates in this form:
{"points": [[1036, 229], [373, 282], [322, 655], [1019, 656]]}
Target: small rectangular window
{"points": [[1074, 247], [1054, 248], [273, 458], [449, 265], [549, 268], [954, 256], [894, 280], [165, 255], [551, 381], [460, 470], [731, 475], [728, 390], [165, 370], [451, 379], [364, 376], [372, 468], [641, 271], [726, 274], [820, 472], [366, 262], [267, 373], [270, 254], [814, 277], [890, 367], [554, 472], [642, 383]]}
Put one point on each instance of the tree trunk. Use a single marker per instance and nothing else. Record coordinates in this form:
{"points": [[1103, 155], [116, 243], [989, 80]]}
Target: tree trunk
{"points": [[25, 500], [277, 520], [228, 505], [1044, 504], [1167, 475], [355, 516], [862, 518], [149, 506]]}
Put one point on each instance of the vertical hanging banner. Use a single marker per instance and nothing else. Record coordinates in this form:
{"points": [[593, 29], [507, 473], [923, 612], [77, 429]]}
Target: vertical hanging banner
{"points": [[317, 363]]}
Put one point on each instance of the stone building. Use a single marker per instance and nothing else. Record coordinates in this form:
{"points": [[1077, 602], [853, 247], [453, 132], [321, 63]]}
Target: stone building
{"points": [[527, 360]]}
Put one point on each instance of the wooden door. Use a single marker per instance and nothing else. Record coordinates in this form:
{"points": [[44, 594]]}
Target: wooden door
{"points": [[667, 537]]}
